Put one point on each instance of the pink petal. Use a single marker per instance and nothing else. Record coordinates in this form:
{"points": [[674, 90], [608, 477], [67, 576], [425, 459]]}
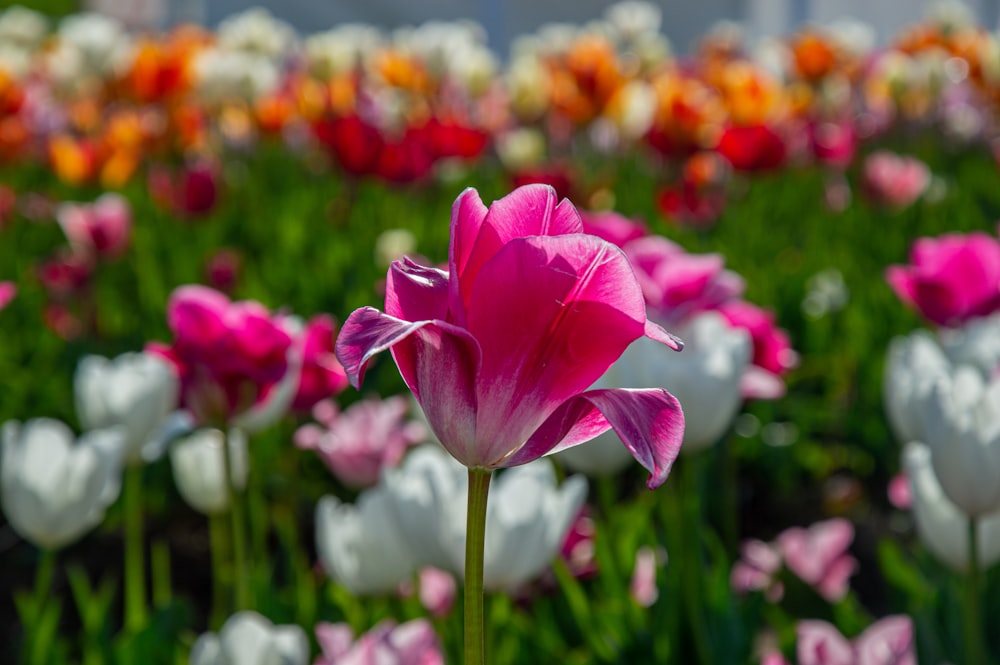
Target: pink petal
{"points": [[7, 292], [437, 360], [335, 639], [467, 215], [819, 643], [649, 422], [657, 333], [527, 211], [835, 583], [416, 293], [551, 314], [887, 642]]}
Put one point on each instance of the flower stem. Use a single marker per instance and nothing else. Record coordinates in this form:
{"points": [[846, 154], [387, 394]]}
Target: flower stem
{"points": [[238, 526], [691, 554], [43, 592], [135, 564], [219, 536], [475, 541], [976, 652]]}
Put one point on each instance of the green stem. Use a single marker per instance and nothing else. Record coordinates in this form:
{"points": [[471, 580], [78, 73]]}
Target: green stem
{"points": [[237, 523], [976, 651], [475, 542], [135, 565], [691, 555], [218, 534], [730, 495], [43, 591]]}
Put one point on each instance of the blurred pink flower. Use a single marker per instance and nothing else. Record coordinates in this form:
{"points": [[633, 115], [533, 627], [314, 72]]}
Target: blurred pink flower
{"points": [[643, 588], [411, 643], [578, 548], [357, 444], [8, 290], [773, 355], [436, 591], [819, 556], [951, 278], [886, 642], [833, 143], [65, 274], [101, 229], [899, 491], [894, 180], [500, 350], [322, 374], [233, 358], [677, 284], [612, 226], [757, 570], [223, 268], [191, 192]]}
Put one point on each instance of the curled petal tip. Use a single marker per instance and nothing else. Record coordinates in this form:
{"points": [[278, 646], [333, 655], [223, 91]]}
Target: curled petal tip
{"points": [[656, 332]]}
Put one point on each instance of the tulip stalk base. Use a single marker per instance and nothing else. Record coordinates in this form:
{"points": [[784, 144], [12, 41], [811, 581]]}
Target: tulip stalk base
{"points": [[135, 564], [975, 648], [237, 521], [475, 542]]}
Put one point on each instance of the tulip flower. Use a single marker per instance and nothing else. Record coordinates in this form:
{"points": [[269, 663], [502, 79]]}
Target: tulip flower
{"points": [[642, 588], [247, 638], [961, 422], [913, 365], [773, 355], [358, 443], [436, 589], [951, 279], [752, 148], [976, 343], [101, 229], [889, 641], [134, 390], [757, 570], [359, 547], [411, 643], [8, 290], [941, 525], [613, 227], [498, 394], [818, 555], [54, 486], [199, 468], [321, 375], [895, 181]]}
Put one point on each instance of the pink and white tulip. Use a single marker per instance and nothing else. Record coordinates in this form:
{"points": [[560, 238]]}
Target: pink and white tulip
{"points": [[102, 229], [889, 641], [895, 180], [819, 556], [411, 643]]}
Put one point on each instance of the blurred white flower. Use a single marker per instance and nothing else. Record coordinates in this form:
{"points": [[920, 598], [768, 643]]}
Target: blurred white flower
{"points": [[633, 18], [256, 31], [200, 469], [632, 109], [247, 638], [103, 45], [54, 486], [22, 27], [521, 148], [914, 362], [224, 75], [393, 244], [961, 425], [852, 35], [940, 523], [134, 390], [527, 516], [527, 85], [341, 50], [826, 292], [359, 545]]}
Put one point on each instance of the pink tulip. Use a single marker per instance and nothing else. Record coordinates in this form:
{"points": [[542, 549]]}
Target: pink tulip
{"points": [[436, 591], [500, 350], [833, 143], [322, 374], [102, 229], [7, 292], [642, 588], [578, 549], [411, 643], [886, 642], [899, 491], [772, 351], [65, 274], [951, 279], [222, 269], [757, 570], [678, 285], [357, 444], [232, 357], [613, 227], [894, 180], [819, 556]]}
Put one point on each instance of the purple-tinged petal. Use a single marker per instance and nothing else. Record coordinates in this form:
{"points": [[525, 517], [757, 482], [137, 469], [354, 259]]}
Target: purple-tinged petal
{"points": [[416, 293], [657, 333], [819, 643], [887, 642], [437, 360], [531, 210], [551, 314], [335, 640], [649, 422], [467, 215]]}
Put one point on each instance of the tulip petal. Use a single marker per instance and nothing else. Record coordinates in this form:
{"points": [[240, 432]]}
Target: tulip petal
{"points": [[887, 642], [649, 422], [416, 293], [531, 210], [551, 314], [819, 643], [438, 362], [657, 333]]}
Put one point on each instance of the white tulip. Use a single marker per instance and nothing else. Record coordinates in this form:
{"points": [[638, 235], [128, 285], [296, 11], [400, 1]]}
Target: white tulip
{"points": [[22, 27], [976, 343], [199, 468], [54, 487], [360, 546], [633, 18], [256, 31], [527, 515], [940, 523], [914, 364], [135, 390], [247, 638], [961, 422], [102, 42]]}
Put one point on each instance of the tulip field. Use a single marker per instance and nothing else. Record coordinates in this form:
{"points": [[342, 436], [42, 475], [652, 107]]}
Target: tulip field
{"points": [[371, 347]]}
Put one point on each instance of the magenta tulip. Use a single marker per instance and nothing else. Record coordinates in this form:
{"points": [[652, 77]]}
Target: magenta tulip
{"points": [[773, 355], [951, 279], [322, 375], [99, 229], [819, 556], [892, 180], [7, 292], [613, 227], [411, 643], [886, 642], [501, 349]]}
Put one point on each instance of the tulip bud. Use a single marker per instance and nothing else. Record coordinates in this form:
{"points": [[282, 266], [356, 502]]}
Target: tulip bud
{"points": [[200, 468], [248, 638]]}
